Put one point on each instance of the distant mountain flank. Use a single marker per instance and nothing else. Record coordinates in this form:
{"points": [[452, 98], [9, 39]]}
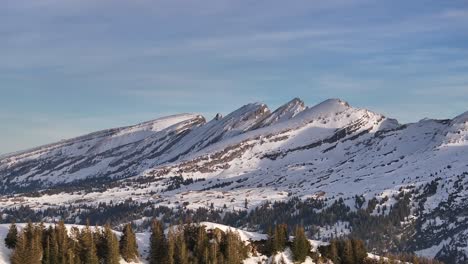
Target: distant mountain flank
{"points": [[331, 152]]}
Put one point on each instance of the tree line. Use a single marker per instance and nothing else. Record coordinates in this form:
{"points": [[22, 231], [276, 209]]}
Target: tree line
{"points": [[55, 244], [182, 244]]}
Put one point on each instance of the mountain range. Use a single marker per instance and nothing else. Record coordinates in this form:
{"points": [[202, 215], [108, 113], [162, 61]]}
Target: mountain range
{"points": [[330, 152]]}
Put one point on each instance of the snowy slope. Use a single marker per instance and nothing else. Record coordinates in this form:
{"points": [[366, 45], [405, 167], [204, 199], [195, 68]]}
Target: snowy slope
{"points": [[114, 153], [331, 150]]}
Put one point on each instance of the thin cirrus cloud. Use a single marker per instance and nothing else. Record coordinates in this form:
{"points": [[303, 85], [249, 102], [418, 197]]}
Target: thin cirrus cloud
{"points": [[82, 60]]}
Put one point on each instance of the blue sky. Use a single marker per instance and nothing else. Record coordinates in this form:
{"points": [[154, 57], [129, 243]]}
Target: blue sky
{"points": [[76, 66]]}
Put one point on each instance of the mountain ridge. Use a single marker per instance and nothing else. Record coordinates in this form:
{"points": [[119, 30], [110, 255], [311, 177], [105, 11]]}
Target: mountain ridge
{"points": [[328, 152]]}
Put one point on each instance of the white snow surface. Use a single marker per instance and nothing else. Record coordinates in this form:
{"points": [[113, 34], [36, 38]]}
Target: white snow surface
{"points": [[244, 235]]}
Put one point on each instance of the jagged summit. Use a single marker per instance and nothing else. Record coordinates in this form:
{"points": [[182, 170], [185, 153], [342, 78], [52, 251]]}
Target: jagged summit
{"points": [[284, 112]]}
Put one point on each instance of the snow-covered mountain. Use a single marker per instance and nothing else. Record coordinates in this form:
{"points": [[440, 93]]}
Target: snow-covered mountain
{"points": [[331, 150]]}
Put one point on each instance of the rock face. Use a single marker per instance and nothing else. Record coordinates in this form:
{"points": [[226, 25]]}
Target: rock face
{"points": [[331, 150]]}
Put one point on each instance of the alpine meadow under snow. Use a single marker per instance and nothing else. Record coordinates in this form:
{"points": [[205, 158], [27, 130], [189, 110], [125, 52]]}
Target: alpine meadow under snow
{"points": [[332, 158]]}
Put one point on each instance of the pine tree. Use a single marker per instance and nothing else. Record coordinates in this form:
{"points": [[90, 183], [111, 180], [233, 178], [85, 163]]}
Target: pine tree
{"points": [[301, 246], [277, 238], [333, 253], [62, 241], [12, 236], [201, 249], [347, 253], [50, 246], [282, 237], [75, 246], [111, 246], [157, 243], [46, 248], [33, 242], [233, 248], [171, 241], [28, 247], [231, 253], [20, 254], [128, 245], [88, 252], [181, 253], [213, 251], [71, 257], [271, 244], [359, 250], [101, 243]]}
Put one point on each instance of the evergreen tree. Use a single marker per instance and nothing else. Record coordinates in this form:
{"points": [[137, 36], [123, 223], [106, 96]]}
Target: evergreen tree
{"points": [[171, 241], [301, 246], [347, 256], [233, 248], [33, 242], [277, 238], [20, 254], [359, 250], [61, 234], [100, 242], [181, 254], [71, 257], [201, 249], [158, 243], [50, 246], [46, 250], [271, 244], [74, 246], [282, 236], [88, 252], [331, 251], [128, 245], [28, 249], [333, 255], [111, 246], [213, 251], [12, 236], [231, 253]]}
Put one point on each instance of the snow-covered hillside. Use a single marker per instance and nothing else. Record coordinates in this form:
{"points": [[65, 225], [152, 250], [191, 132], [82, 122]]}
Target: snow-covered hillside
{"points": [[250, 156]]}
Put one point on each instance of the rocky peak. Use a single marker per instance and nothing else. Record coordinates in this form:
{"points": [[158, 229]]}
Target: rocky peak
{"points": [[283, 113]]}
